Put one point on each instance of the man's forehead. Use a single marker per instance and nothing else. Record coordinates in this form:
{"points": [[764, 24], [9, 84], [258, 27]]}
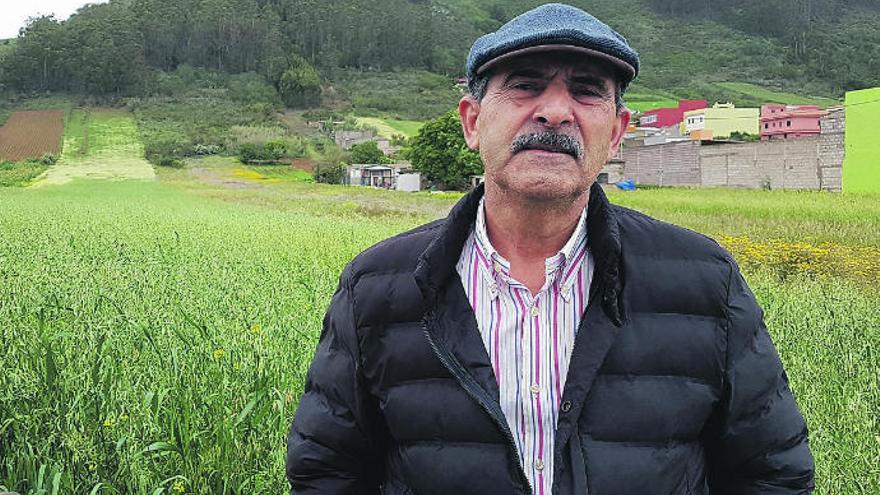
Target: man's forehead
{"points": [[549, 64]]}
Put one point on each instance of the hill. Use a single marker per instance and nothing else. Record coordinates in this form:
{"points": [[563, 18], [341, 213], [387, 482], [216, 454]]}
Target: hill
{"points": [[808, 47]]}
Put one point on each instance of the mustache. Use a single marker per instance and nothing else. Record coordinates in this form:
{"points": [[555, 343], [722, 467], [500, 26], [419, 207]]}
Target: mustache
{"points": [[548, 141]]}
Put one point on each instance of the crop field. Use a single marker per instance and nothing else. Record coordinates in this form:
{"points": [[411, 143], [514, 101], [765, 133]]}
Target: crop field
{"points": [[388, 128], [100, 144], [31, 134], [156, 334]]}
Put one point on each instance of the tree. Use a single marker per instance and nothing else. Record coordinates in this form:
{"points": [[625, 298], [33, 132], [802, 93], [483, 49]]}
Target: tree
{"points": [[440, 152], [300, 85], [367, 152], [38, 59]]}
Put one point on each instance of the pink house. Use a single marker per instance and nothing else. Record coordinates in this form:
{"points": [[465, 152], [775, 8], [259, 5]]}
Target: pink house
{"points": [[668, 117], [790, 121]]}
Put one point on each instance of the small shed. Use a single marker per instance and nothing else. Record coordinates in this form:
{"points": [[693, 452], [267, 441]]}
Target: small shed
{"points": [[377, 176]]}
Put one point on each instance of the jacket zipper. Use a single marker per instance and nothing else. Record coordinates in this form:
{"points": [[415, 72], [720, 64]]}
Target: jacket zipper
{"points": [[476, 392]]}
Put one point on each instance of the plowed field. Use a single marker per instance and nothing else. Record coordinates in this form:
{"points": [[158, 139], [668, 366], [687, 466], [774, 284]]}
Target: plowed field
{"points": [[31, 134]]}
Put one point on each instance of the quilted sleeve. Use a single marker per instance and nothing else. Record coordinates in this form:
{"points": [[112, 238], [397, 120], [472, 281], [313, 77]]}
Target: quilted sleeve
{"points": [[332, 447], [758, 444]]}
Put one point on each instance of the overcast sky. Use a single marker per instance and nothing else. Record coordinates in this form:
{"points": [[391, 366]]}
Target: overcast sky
{"points": [[13, 13]]}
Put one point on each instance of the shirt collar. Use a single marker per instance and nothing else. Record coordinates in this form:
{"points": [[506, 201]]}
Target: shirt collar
{"points": [[569, 252]]}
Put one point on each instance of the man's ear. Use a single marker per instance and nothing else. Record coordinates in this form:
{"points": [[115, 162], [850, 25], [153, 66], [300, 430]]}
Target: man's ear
{"points": [[623, 119], [469, 112]]}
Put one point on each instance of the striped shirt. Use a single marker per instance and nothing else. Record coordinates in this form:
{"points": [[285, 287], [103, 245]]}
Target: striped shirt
{"points": [[528, 337]]}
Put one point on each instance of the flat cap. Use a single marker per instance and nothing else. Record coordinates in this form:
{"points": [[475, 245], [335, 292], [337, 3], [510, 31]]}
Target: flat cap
{"points": [[553, 27]]}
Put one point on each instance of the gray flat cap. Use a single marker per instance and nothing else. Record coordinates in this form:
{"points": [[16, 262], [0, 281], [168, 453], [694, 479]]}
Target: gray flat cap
{"points": [[553, 27]]}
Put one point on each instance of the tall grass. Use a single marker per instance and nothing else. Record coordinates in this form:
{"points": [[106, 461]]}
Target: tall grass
{"points": [[157, 334]]}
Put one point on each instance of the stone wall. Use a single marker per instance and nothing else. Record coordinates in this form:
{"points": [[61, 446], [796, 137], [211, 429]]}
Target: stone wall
{"points": [[805, 163]]}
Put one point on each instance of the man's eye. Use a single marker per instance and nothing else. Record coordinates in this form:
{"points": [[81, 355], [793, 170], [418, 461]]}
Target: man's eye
{"points": [[585, 92], [525, 86]]}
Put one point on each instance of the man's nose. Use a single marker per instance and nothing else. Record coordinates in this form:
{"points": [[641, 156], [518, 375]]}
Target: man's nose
{"points": [[554, 107]]}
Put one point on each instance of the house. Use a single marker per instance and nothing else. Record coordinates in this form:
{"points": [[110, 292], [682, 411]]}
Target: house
{"points": [[398, 176], [377, 176], [669, 119], [790, 121], [720, 121]]}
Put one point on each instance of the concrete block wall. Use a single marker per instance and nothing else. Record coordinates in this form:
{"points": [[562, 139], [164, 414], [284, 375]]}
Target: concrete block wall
{"points": [[832, 149], [614, 169], [673, 164]]}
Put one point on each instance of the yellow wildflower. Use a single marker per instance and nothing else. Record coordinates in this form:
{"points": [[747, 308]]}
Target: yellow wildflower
{"points": [[108, 423], [178, 487], [256, 329], [219, 354]]}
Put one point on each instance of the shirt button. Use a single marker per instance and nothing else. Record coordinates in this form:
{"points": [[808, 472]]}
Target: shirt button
{"points": [[497, 268], [535, 389], [534, 311], [539, 464], [566, 406]]}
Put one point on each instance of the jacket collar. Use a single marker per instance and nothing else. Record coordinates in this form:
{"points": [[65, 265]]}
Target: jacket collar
{"points": [[437, 263]]}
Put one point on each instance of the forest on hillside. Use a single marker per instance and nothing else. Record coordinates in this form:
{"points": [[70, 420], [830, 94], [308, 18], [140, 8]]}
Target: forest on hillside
{"points": [[126, 47]]}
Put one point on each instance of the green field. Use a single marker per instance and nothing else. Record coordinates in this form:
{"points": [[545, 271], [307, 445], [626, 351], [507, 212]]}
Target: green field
{"points": [[388, 128], [157, 332], [643, 99]]}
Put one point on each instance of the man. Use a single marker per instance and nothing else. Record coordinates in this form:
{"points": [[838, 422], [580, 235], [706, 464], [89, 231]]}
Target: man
{"points": [[539, 339]]}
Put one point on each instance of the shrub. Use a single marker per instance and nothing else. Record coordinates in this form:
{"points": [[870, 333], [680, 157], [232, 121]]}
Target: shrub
{"points": [[330, 174], [274, 150], [744, 136], [261, 153], [249, 153], [48, 159], [168, 152]]}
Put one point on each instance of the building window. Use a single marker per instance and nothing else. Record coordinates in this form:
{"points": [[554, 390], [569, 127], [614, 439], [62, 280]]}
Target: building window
{"points": [[788, 123], [766, 126]]}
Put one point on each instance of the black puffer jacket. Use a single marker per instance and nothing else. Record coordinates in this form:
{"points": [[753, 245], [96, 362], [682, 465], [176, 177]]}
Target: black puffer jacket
{"points": [[674, 385]]}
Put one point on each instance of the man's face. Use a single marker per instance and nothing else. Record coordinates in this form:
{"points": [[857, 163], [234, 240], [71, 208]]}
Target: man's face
{"points": [[546, 126]]}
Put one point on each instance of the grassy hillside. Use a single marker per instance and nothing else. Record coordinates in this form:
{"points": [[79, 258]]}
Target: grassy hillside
{"points": [[681, 59]]}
